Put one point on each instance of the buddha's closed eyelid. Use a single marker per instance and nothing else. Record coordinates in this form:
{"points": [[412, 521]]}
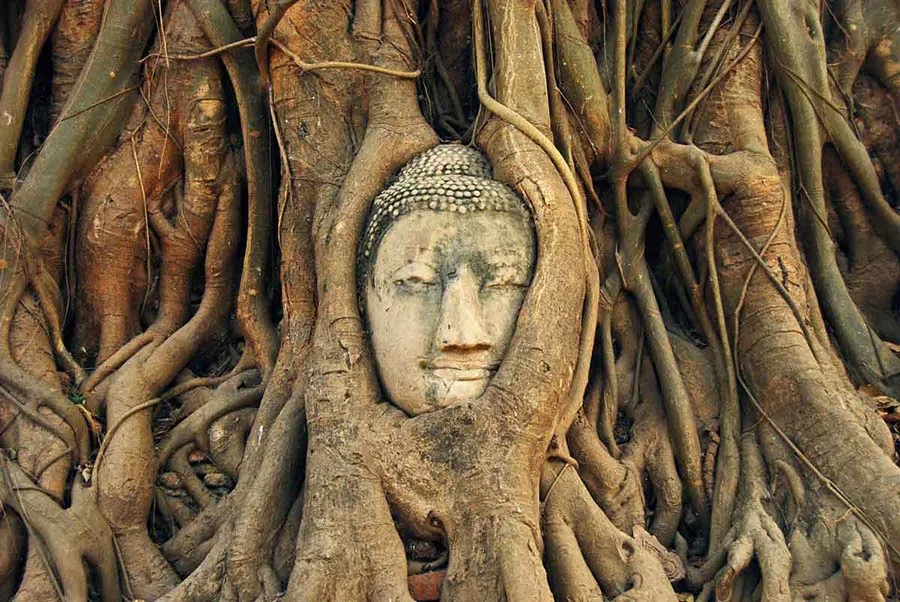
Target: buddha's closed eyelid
{"points": [[417, 272], [415, 278], [506, 276]]}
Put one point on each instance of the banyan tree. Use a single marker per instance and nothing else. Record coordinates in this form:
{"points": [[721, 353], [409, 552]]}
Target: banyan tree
{"points": [[449, 299]]}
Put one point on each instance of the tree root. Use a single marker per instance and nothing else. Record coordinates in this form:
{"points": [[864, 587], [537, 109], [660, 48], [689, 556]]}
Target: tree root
{"points": [[227, 397], [12, 547], [253, 311], [802, 73], [588, 558], [850, 546], [92, 116], [38, 22], [68, 536], [754, 534]]}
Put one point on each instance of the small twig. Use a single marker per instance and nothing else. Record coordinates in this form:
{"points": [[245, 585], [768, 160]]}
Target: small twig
{"points": [[112, 431], [304, 66], [93, 105], [203, 55]]}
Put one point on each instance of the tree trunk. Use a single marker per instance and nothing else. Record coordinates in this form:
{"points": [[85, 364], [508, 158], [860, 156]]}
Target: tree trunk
{"points": [[698, 392]]}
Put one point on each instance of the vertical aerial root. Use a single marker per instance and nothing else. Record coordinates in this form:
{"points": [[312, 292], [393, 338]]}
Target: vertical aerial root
{"points": [[650, 450], [92, 118], [252, 309], [273, 491], [37, 23], [802, 73]]}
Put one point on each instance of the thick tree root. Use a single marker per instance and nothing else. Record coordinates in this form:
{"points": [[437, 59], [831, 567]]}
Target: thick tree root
{"points": [[754, 534], [588, 558], [68, 537]]}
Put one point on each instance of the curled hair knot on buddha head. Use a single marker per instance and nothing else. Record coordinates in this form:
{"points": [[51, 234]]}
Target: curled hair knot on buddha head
{"points": [[448, 177]]}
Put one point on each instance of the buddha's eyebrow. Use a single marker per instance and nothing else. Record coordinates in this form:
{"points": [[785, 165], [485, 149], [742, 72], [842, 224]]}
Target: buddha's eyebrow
{"points": [[414, 262]]}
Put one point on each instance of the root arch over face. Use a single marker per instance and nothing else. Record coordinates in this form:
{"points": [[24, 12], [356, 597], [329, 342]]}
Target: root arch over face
{"points": [[699, 393]]}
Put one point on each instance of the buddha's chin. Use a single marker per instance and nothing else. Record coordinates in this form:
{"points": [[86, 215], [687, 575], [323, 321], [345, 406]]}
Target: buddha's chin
{"points": [[451, 392], [441, 393]]}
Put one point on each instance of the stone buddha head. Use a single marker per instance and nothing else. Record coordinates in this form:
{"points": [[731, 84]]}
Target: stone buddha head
{"points": [[445, 260]]}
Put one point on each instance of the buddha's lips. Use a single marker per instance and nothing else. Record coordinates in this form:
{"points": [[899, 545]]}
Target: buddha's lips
{"points": [[462, 371], [462, 374]]}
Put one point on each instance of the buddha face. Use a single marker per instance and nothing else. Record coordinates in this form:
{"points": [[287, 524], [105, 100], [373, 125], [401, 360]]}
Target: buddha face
{"points": [[442, 299]]}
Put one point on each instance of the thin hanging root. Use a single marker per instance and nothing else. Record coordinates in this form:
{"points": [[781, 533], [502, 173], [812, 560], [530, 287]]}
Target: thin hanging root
{"points": [[727, 465], [730, 412], [802, 73], [48, 297], [318, 65], [609, 394], [636, 279], [686, 442], [693, 159], [264, 34]]}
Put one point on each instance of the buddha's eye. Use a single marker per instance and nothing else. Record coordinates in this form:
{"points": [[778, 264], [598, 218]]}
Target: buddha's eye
{"points": [[505, 279], [415, 283], [415, 277], [504, 284]]}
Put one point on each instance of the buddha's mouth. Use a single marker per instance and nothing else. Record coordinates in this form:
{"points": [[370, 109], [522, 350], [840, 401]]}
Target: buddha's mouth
{"points": [[463, 374], [463, 370]]}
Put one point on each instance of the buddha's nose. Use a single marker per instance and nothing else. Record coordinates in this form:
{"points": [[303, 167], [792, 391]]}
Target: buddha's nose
{"points": [[461, 326]]}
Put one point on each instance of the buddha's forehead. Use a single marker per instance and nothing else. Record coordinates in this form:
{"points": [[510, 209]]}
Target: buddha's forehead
{"points": [[446, 239]]}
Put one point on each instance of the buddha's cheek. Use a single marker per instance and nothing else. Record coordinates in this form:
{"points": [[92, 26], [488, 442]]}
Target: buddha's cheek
{"points": [[402, 330], [500, 310]]}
